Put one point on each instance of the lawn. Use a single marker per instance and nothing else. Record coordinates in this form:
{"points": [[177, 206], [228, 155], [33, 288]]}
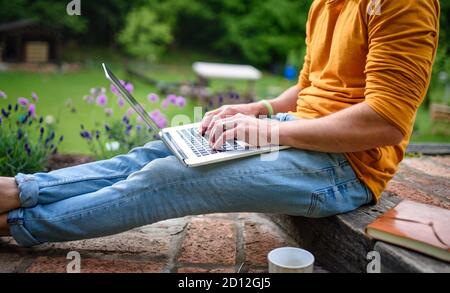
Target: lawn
{"points": [[54, 90]]}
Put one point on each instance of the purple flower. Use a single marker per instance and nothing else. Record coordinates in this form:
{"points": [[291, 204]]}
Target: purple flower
{"points": [[89, 99], [22, 101], [3, 95], [121, 102], [155, 114], [103, 91], [153, 98], [130, 112], [5, 113], [165, 103], [86, 134], [102, 100], [34, 96], [114, 90], [27, 148], [139, 119], [138, 127], [93, 91], [129, 87], [109, 112], [32, 110], [172, 99], [125, 120], [19, 134], [161, 122], [181, 102]]}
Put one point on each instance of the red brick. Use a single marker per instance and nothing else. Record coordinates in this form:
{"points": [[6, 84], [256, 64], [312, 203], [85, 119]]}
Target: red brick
{"points": [[46, 264], [190, 270], [260, 240], [441, 160], [10, 262], [405, 191], [210, 241], [427, 166], [258, 271]]}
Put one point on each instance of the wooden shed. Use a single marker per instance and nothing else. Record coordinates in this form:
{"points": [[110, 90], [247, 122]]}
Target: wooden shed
{"points": [[27, 41]]}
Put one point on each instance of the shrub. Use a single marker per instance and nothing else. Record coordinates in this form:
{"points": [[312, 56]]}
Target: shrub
{"points": [[26, 140], [145, 36], [121, 135]]}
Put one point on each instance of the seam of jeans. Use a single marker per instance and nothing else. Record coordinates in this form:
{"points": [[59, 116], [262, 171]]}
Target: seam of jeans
{"points": [[346, 182], [316, 195], [126, 197], [79, 179]]}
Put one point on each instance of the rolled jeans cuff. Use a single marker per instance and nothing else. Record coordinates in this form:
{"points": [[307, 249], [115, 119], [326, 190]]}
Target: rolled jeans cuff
{"points": [[18, 231], [28, 190]]}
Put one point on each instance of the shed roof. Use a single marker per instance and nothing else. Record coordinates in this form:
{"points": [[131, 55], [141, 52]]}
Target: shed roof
{"points": [[18, 24]]}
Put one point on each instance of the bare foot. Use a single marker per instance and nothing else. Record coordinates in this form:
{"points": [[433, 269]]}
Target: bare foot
{"points": [[9, 194], [4, 227]]}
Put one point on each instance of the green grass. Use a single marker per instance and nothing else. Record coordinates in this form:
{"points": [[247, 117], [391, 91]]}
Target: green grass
{"points": [[55, 89]]}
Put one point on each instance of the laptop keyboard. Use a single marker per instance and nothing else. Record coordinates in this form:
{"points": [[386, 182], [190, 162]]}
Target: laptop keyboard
{"points": [[200, 145]]}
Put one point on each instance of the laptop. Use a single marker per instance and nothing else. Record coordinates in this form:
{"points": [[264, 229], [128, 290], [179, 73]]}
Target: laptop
{"points": [[185, 141]]}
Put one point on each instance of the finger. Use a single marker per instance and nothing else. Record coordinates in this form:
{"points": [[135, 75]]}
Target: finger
{"points": [[220, 126], [218, 117], [207, 120], [227, 135]]}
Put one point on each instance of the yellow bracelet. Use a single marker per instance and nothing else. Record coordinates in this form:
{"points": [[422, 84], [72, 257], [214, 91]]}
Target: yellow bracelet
{"points": [[268, 107]]}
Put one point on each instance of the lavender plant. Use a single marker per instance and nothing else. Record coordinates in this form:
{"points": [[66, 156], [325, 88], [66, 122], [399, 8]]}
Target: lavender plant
{"points": [[118, 136], [26, 140]]}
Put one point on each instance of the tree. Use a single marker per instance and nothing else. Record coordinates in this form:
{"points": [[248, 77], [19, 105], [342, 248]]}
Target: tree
{"points": [[145, 35]]}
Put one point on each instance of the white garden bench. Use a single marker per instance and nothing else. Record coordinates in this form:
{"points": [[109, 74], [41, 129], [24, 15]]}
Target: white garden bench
{"points": [[206, 71]]}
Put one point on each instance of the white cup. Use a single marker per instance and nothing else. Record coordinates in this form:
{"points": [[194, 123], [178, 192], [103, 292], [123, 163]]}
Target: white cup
{"points": [[290, 260]]}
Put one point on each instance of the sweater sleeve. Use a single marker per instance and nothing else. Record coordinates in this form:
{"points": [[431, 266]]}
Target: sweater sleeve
{"points": [[402, 42]]}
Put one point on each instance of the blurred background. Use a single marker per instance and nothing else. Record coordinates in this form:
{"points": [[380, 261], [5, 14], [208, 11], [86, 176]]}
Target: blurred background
{"points": [[52, 61]]}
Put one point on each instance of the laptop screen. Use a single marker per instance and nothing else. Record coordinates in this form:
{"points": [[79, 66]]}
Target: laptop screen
{"points": [[131, 100]]}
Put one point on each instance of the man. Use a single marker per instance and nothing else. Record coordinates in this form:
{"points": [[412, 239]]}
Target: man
{"points": [[366, 71]]}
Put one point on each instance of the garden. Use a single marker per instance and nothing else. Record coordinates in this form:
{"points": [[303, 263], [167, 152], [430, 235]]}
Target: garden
{"points": [[73, 110]]}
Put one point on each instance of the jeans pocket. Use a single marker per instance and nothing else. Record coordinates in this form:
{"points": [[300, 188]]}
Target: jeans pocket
{"points": [[338, 199]]}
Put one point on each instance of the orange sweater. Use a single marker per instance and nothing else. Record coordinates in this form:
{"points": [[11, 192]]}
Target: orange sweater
{"points": [[379, 52]]}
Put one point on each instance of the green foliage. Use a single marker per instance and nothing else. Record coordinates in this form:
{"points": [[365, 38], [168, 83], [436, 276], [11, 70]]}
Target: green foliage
{"points": [[145, 34], [25, 142], [117, 138], [264, 32], [50, 13], [260, 32]]}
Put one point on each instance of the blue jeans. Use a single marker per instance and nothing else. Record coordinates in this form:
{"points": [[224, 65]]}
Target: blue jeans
{"points": [[149, 184]]}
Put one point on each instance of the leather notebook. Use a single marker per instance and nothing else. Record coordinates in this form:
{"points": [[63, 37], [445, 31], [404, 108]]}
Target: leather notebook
{"points": [[416, 226]]}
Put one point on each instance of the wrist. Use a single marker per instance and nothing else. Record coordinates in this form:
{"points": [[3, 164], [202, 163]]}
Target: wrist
{"points": [[258, 109], [264, 108]]}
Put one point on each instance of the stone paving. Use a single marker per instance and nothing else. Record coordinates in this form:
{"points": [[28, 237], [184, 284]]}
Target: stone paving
{"points": [[218, 243]]}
